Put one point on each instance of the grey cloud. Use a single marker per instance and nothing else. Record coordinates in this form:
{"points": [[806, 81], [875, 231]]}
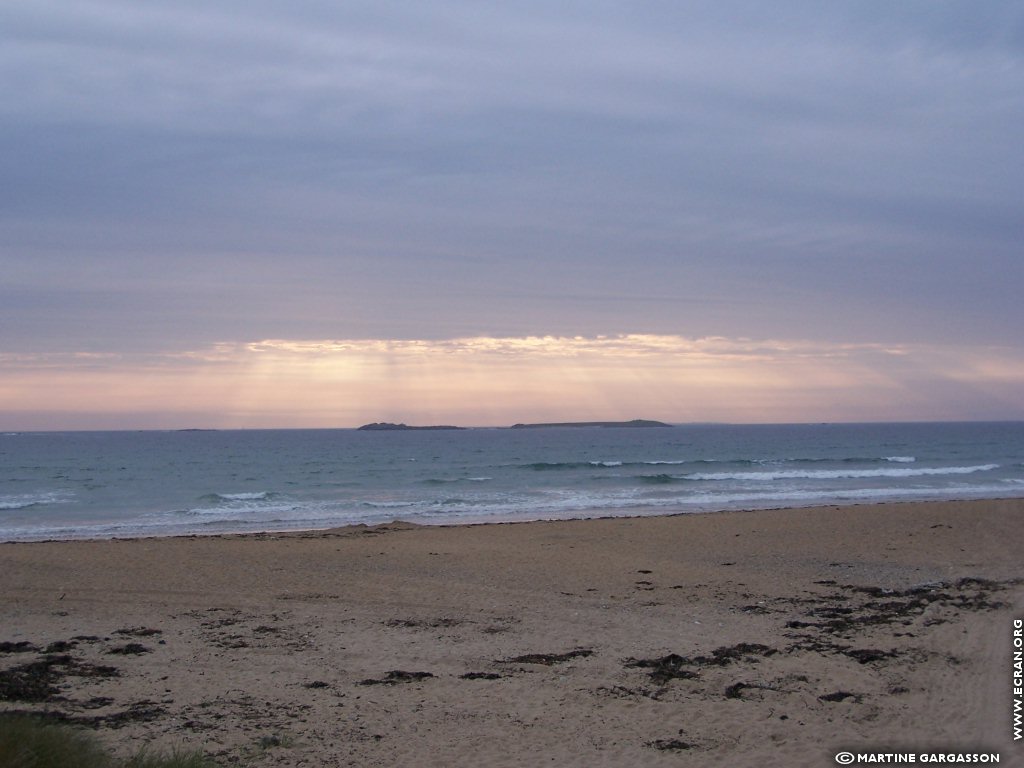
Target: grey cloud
{"points": [[321, 170]]}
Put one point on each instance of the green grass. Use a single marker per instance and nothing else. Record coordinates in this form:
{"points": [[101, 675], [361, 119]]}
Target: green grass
{"points": [[29, 742]]}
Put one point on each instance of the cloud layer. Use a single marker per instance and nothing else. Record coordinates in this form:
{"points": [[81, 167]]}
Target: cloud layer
{"points": [[178, 174]]}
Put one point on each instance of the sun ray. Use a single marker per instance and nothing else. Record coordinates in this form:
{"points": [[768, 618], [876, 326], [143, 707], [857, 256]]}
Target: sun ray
{"points": [[486, 380]]}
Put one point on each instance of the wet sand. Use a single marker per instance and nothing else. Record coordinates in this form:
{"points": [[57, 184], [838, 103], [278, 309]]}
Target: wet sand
{"points": [[730, 639]]}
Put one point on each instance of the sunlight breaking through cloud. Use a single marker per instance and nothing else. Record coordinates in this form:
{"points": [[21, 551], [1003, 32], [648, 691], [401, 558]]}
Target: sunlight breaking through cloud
{"points": [[500, 380]]}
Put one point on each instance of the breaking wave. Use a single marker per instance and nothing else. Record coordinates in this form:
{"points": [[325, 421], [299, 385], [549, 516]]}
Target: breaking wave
{"points": [[835, 474]]}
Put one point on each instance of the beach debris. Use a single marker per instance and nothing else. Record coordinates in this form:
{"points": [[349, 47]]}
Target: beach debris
{"points": [[28, 682], [21, 646], [621, 691], [868, 655], [96, 702], [675, 667], [480, 676], [138, 712], [274, 740], [60, 646], [37, 681], [130, 649], [670, 744], [442, 622], [840, 696], [138, 631], [846, 613], [548, 659], [735, 691], [671, 667], [728, 654], [397, 676]]}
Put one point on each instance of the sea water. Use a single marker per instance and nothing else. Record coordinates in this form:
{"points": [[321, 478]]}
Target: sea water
{"points": [[114, 484]]}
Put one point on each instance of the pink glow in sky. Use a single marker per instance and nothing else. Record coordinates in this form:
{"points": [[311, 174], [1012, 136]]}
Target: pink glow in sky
{"points": [[498, 381]]}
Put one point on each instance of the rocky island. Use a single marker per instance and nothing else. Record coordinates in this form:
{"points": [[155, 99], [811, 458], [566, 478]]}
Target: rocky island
{"points": [[383, 426], [614, 424]]}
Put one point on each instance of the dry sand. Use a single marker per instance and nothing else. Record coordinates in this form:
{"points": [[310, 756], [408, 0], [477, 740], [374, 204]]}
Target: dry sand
{"points": [[731, 639]]}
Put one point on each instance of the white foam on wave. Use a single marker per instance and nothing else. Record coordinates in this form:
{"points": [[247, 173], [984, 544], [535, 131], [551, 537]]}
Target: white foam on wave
{"points": [[836, 474], [576, 504], [901, 459], [448, 480], [606, 463], [231, 506], [26, 500], [238, 510], [251, 496], [550, 504]]}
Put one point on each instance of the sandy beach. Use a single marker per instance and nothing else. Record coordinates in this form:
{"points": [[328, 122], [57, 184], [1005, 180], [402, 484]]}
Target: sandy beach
{"points": [[729, 639]]}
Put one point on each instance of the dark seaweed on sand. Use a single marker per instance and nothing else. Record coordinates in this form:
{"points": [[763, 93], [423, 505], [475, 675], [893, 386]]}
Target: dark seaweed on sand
{"points": [[396, 676], [37, 681], [676, 667], [548, 659]]}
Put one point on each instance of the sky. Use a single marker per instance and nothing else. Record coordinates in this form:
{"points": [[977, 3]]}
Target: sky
{"points": [[320, 214]]}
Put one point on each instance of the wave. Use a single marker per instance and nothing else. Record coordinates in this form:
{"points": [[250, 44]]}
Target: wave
{"points": [[835, 474], [661, 479], [246, 496], [796, 460], [546, 466], [233, 504], [17, 504], [5, 504], [239, 510], [504, 507], [27, 500], [447, 480]]}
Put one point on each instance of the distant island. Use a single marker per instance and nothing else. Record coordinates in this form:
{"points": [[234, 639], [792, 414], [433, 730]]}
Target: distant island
{"points": [[614, 424], [383, 426]]}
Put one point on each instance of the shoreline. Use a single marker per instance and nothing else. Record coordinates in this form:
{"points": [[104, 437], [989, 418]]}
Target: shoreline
{"points": [[677, 639], [656, 513]]}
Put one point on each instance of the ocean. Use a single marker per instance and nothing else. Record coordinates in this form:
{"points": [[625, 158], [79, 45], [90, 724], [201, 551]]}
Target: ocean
{"points": [[68, 485]]}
